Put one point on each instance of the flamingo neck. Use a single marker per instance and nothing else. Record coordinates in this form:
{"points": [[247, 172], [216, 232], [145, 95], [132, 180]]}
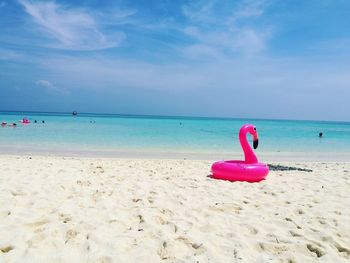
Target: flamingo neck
{"points": [[249, 155]]}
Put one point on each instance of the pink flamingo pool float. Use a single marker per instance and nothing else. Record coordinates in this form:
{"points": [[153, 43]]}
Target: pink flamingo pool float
{"points": [[249, 170], [24, 121]]}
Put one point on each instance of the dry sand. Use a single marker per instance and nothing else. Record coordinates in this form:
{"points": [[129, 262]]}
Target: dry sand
{"points": [[59, 209]]}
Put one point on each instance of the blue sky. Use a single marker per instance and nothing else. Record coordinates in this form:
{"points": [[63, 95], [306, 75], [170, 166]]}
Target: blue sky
{"points": [[234, 58]]}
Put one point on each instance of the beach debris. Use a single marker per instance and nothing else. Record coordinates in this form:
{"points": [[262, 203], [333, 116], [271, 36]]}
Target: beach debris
{"points": [[279, 167]]}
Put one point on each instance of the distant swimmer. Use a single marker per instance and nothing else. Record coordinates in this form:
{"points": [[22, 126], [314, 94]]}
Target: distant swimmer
{"points": [[43, 121], [35, 121], [320, 134]]}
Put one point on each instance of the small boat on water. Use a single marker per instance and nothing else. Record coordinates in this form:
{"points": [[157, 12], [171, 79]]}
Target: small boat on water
{"points": [[74, 113]]}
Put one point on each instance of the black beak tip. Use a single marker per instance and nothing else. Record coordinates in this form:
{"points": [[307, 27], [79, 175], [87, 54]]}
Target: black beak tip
{"points": [[255, 144]]}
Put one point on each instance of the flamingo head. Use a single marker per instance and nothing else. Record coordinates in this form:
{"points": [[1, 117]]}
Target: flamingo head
{"points": [[252, 130]]}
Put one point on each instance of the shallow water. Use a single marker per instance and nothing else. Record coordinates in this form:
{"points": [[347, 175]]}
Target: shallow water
{"points": [[98, 132]]}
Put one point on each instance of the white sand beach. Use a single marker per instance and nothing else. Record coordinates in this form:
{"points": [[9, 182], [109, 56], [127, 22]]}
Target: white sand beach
{"points": [[60, 209]]}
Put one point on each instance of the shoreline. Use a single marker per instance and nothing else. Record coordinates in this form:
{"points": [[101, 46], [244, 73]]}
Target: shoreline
{"points": [[263, 157]]}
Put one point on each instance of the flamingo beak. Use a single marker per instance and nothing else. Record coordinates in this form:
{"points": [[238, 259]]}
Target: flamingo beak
{"points": [[255, 139], [255, 143]]}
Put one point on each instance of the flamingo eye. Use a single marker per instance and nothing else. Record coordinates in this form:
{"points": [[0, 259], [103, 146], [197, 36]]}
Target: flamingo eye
{"points": [[254, 128]]}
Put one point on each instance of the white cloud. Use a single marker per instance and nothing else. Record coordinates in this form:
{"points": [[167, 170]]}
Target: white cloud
{"points": [[75, 29], [103, 73], [45, 83], [227, 29], [117, 16], [247, 10], [276, 87], [224, 74], [50, 87], [200, 11], [201, 51]]}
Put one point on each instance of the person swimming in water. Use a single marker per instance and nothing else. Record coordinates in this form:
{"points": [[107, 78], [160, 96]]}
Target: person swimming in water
{"points": [[320, 134]]}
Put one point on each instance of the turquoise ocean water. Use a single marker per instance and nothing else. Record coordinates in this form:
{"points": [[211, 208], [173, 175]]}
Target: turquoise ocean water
{"points": [[124, 133]]}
